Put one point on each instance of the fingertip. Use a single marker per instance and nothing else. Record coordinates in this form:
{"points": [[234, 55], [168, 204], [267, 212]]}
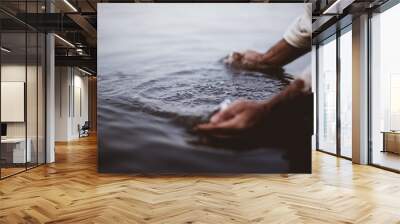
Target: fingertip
{"points": [[214, 119], [198, 127], [237, 55], [202, 127]]}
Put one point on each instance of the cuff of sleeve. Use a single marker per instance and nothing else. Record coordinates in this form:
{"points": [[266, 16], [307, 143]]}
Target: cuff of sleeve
{"points": [[290, 38]]}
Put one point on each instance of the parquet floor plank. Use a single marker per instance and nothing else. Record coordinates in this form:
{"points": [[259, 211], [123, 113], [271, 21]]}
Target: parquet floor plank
{"points": [[71, 191]]}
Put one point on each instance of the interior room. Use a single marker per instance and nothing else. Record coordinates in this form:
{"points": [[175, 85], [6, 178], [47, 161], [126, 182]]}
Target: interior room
{"points": [[22, 101], [49, 151]]}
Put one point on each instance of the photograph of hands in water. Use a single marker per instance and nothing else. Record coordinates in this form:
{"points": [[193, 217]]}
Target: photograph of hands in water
{"points": [[204, 88]]}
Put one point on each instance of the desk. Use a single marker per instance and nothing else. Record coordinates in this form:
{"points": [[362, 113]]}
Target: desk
{"points": [[16, 147], [391, 141]]}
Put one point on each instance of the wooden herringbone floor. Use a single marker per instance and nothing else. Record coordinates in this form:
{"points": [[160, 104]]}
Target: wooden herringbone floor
{"points": [[71, 191]]}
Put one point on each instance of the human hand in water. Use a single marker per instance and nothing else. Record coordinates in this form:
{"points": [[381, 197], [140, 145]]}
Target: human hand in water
{"points": [[244, 115], [247, 59], [240, 116]]}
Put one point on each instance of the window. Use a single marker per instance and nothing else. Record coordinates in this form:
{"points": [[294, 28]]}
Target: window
{"points": [[385, 89], [327, 96], [335, 137], [346, 93]]}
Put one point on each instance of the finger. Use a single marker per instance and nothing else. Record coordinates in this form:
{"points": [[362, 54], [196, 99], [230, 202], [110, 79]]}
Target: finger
{"points": [[221, 116], [235, 53], [236, 56], [236, 107], [229, 127], [248, 62], [228, 113], [204, 127], [210, 129]]}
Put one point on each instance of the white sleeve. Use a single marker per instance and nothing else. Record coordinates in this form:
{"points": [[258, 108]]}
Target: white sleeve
{"points": [[299, 33], [306, 77]]}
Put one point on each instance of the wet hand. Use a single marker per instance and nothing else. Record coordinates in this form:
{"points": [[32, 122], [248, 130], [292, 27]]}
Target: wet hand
{"points": [[248, 58], [239, 117]]}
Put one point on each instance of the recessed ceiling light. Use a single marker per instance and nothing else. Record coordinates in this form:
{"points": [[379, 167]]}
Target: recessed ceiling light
{"points": [[5, 50], [64, 40], [84, 71], [337, 7], [70, 5]]}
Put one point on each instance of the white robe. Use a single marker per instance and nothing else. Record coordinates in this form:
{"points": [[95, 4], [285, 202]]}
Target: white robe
{"points": [[299, 35]]}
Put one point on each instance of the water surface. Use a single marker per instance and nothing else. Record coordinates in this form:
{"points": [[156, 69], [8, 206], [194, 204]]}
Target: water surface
{"points": [[160, 73]]}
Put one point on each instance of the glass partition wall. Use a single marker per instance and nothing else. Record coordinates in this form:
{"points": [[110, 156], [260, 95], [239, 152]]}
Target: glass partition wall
{"points": [[334, 104], [13, 90], [22, 98]]}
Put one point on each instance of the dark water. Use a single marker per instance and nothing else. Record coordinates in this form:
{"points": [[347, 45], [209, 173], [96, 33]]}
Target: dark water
{"points": [[160, 79]]}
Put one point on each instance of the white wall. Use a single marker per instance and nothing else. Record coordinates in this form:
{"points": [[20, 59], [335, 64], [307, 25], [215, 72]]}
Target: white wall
{"points": [[62, 82], [17, 73], [80, 109], [71, 102]]}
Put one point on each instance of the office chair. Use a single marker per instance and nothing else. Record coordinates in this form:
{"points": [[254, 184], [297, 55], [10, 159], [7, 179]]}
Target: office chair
{"points": [[84, 130]]}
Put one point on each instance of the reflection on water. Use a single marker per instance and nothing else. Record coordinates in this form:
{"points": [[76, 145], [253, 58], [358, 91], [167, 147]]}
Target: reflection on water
{"points": [[164, 75]]}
